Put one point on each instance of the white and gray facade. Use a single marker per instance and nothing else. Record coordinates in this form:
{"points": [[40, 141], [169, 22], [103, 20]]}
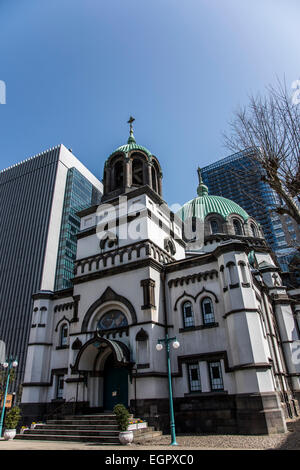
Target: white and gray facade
{"points": [[235, 369]]}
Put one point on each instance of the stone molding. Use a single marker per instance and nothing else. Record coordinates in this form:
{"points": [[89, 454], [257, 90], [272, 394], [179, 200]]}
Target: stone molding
{"points": [[192, 278], [109, 295], [151, 250]]}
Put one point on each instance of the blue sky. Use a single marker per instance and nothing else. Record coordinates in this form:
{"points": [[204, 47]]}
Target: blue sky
{"points": [[75, 70]]}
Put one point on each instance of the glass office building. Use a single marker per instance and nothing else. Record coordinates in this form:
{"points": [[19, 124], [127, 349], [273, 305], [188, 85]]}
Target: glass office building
{"points": [[238, 177], [79, 194], [39, 198]]}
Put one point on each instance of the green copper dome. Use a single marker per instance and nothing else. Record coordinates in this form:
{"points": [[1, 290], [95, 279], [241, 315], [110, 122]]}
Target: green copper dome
{"points": [[205, 204], [132, 145]]}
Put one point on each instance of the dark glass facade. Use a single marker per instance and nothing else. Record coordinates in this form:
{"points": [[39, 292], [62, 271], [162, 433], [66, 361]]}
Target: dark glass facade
{"points": [[238, 177], [26, 192], [26, 200], [79, 194]]}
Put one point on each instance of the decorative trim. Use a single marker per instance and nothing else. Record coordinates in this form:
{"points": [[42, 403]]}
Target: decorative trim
{"points": [[36, 384], [143, 366], [199, 327], [185, 294], [148, 286], [75, 310], [63, 307], [142, 335], [151, 250], [64, 318], [119, 350], [77, 344], [61, 371], [75, 380], [86, 233], [217, 356], [162, 325], [42, 295], [243, 310], [147, 262], [108, 296], [198, 277]]}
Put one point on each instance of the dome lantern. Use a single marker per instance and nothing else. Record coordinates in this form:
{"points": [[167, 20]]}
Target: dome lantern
{"points": [[202, 189], [130, 166]]}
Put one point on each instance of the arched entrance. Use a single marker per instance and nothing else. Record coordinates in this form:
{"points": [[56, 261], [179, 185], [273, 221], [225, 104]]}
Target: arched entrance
{"points": [[106, 364], [115, 384]]}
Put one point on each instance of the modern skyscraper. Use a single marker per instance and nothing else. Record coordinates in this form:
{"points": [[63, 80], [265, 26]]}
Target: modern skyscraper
{"points": [[238, 177], [39, 198]]}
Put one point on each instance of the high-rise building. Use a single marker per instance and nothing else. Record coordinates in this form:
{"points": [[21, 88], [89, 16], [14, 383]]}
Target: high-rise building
{"points": [[239, 178], [39, 198]]}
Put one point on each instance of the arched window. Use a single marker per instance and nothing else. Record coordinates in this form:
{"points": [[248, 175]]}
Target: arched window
{"points": [[237, 227], [222, 276], [112, 319], [169, 246], [63, 335], [137, 172], [233, 275], [109, 241], [188, 314], [243, 272], [253, 230], [154, 179], [207, 311], [105, 179], [119, 175], [214, 226], [142, 348]]}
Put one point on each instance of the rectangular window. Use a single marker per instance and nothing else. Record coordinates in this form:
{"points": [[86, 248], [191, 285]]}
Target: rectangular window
{"points": [[188, 315], [215, 374], [208, 313], [194, 377], [60, 386]]}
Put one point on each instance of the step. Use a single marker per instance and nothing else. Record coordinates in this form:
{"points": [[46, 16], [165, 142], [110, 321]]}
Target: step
{"points": [[94, 416], [41, 432], [58, 437], [85, 422], [147, 435], [61, 425], [100, 428], [138, 432]]}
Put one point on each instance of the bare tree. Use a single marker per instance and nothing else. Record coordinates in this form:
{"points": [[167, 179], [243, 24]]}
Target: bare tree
{"points": [[269, 127]]}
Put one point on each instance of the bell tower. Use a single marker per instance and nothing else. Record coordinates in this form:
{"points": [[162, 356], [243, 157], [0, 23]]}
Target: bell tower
{"points": [[129, 167]]}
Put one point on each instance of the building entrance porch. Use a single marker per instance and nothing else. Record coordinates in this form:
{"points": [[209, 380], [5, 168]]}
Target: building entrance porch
{"points": [[106, 365]]}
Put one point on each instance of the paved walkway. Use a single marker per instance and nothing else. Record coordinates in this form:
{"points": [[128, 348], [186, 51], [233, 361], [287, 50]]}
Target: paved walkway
{"points": [[287, 441]]}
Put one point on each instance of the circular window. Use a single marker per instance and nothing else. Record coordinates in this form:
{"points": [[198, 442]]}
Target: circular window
{"points": [[112, 319]]}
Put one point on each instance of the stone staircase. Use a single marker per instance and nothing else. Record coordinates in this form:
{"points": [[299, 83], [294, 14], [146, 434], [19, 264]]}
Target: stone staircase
{"points": [[97, 428]]}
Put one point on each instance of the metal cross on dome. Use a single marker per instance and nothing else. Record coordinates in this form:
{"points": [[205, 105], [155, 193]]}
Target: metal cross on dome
{"points": [[130, 121], [199, 175]]}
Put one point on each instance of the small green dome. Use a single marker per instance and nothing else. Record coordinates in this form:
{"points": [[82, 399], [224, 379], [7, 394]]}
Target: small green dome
{"points": [[132, 145], [205, 204], [202, 206]]}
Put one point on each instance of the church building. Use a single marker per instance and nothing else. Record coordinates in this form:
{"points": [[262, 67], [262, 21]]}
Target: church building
{"points": [[204, 276]]}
